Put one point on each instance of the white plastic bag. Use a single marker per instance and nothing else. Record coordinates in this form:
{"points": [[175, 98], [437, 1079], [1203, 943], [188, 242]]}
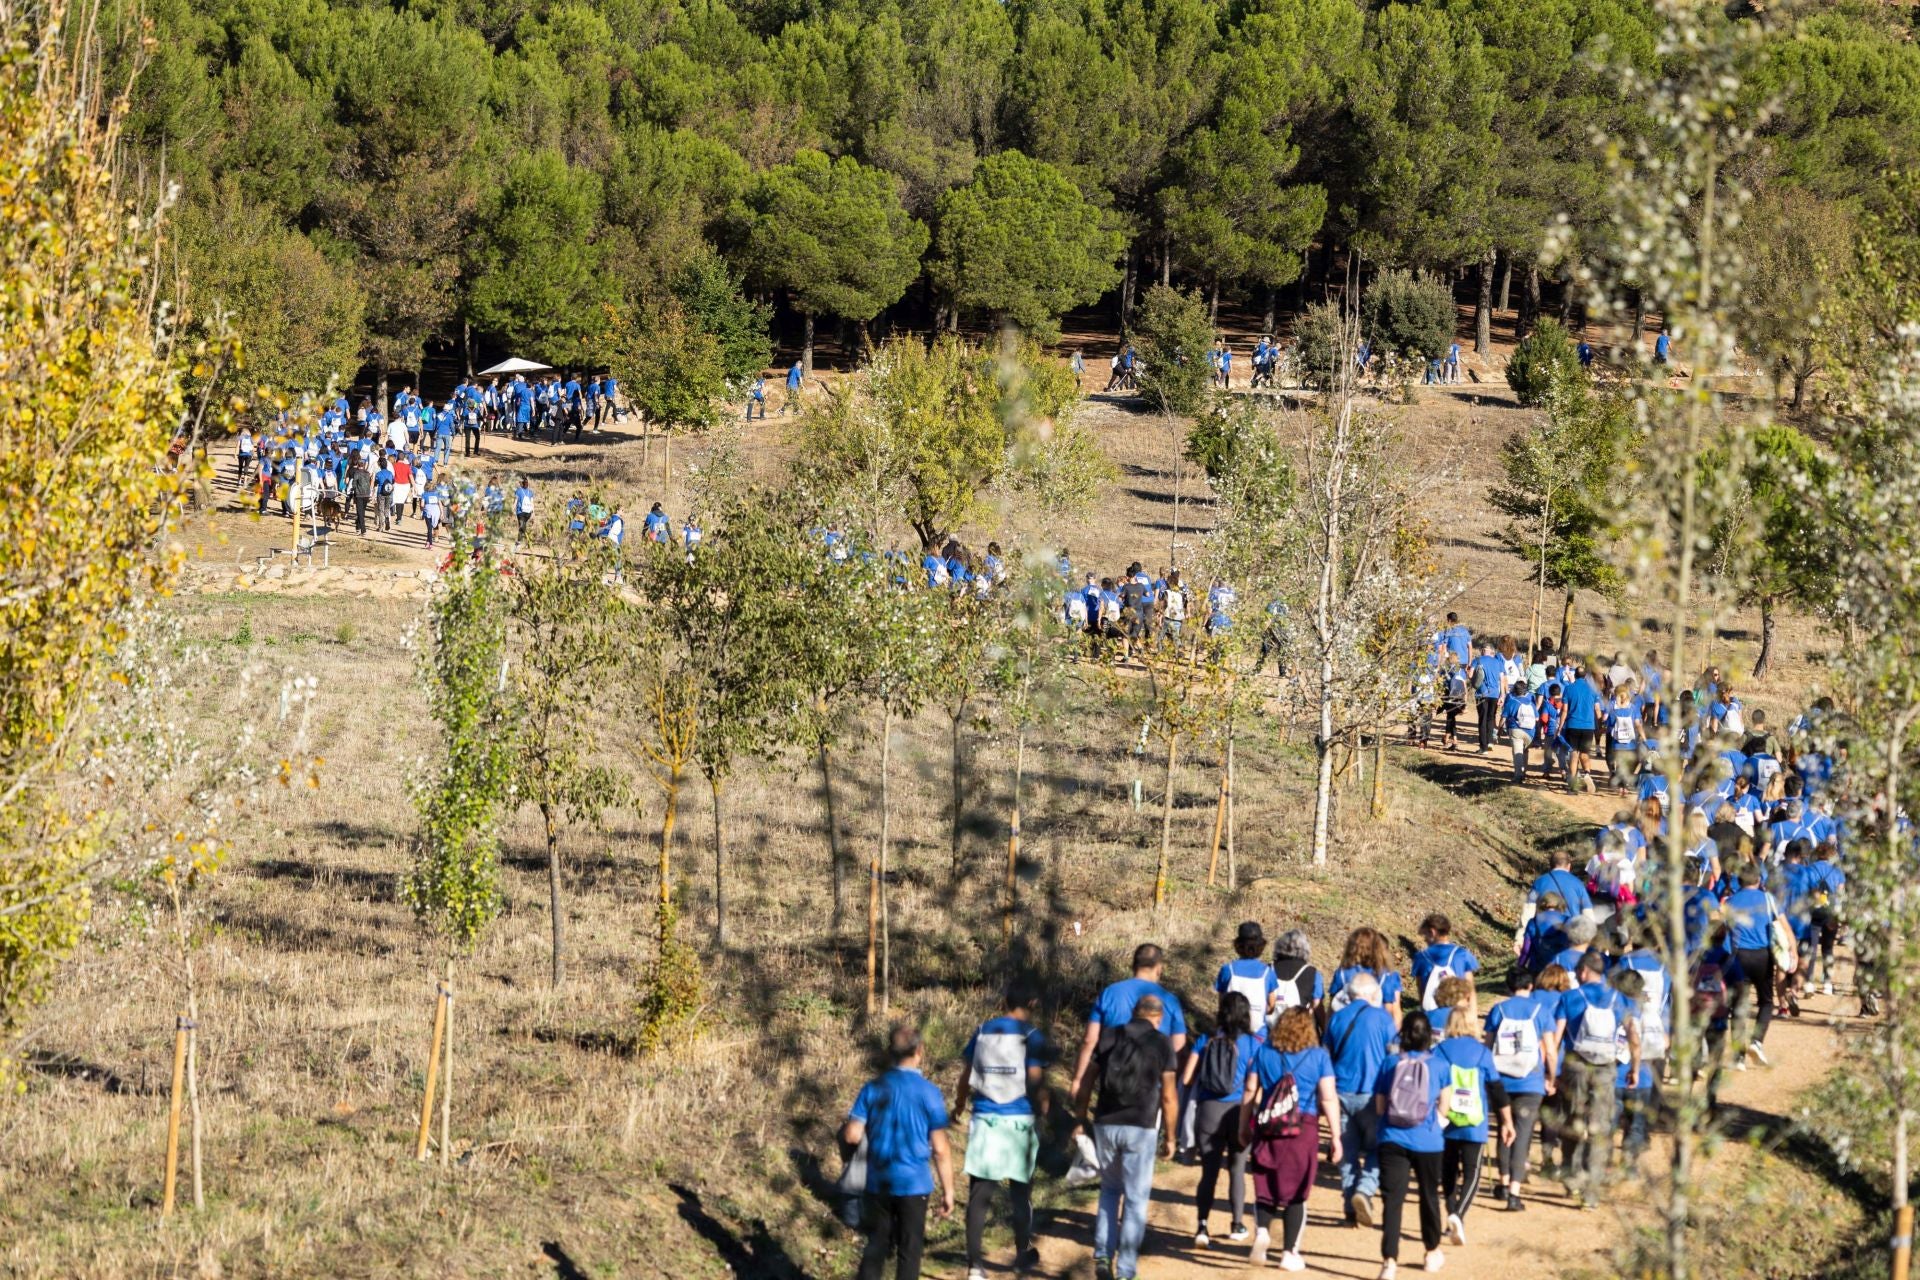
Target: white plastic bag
{"points": [[1086, 1162]]}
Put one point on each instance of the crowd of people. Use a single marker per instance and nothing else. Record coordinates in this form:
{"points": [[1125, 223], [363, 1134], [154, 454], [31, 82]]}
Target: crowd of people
{"points": [[1419, 1080]]}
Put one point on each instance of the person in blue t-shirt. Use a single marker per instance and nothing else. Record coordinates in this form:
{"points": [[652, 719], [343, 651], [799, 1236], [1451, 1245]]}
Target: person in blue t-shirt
{"points": [[1474, 1096], [1750, 910], [1250, 974], [1359, 1038], [1488, 673], [1562, 880], [1593, 1020], [1662, 347], [1457, 640], [1411, 1144], [656, 527], [1519, 720], [1583, 705], [1003, 1064], [1440, 959], [1365, 952], [1825, 889], [1291, 1086], [903, 1119], [1216, 1072], [1520, 1032], [1115, 1007]]}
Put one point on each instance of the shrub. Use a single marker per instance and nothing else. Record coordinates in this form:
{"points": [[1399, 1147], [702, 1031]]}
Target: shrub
{"points": [[1320, 339], [1544, 360], [1408, 313], [1173, 336]]}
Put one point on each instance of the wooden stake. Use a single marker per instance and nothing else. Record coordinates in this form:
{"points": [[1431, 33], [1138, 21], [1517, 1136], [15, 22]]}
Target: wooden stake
{"points": [[433, 1072], [1233, 867], [446, 1085], [1219, 830], [873, 932], [180, 1027], [193, 1099], [1902, 1242]]}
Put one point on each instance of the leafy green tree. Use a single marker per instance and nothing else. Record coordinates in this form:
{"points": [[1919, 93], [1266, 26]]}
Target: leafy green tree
{"points": [[1545, 364], [833, 234], [1323, 344], [667, 193], [1409, 314], [1792, 559], [672, 369], [710, 295], [1173, 338], [538, 278], [1022, 243], [1796, 244]]}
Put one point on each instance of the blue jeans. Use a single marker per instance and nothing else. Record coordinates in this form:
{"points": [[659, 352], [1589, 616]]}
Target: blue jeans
{"points": [[442, 447], [1359, 1140], [1126, 1154]]}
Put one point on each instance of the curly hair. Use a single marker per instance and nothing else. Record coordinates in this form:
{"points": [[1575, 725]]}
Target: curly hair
{"points": [[1554, 978], [1295, 1031], [1454, 993], [1366, 949]]}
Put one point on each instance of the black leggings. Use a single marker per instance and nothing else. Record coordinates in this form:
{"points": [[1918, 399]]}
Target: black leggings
{"points": [[1756, 963], [979, 1196], [1293, 1221], [1460, 1175], [1398, 1167], [1513, 1159], [1216, 1131]]}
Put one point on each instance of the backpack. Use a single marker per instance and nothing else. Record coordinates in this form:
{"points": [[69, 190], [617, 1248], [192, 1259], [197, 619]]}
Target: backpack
{"points": [[1599, 1029], [362, 484], [1077, 608], [1440, 973], [1109, 608], [1466, 1104], [1516, 1048], [1735, 721], [1280, 1115], [1219, 1066], [1653, 1017], [1710, 993], [1127, 1074], [1295, 990], [1410, 1093]]}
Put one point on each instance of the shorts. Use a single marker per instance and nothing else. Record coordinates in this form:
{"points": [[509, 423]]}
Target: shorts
{"points": [[1580, 740], [1002, 1148]]}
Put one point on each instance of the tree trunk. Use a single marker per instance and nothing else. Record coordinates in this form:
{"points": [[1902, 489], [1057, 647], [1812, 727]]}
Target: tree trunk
{"points": [[557, 973], [1530, 303], [1762, 663], [873, 934], [1233, 869], [666, 849], [1013, 837], [1483, 309], [1636, 303], [1166, 258], [1266, 319], [1506, 280], [1540, 583], [1902, 1209], [466, 344], [1378, 808], [959, 787], [1566, 622], [806, 343], [716, 782], [1323, 795], [1213, 303], [1567, 292], [1166, 825], [1219, 827], [446, 1078], [1802, 372], [1129, 284], [833, 842], [886, 832], [380, 392]]}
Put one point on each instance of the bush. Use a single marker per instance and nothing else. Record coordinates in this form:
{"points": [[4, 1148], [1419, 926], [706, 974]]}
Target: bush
{"points": [[1408, 313], [1320, 339], [1172, 336], [1544, 361]]}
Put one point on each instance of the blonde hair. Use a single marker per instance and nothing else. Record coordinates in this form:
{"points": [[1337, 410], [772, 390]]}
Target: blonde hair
{"points": [[1554, 978], [1295, 1031]]}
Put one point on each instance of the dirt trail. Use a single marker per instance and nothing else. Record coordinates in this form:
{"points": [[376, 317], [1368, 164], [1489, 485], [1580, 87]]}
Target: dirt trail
{"points": [[1551, 1238]]}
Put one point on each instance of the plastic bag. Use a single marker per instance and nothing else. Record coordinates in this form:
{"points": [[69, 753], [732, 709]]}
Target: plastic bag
{"points": [[1086, 1162]]}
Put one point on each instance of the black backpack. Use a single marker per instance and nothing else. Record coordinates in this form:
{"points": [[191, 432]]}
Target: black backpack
{"points": [[1129, 1073], [1301, 980], [1219, 1071]]}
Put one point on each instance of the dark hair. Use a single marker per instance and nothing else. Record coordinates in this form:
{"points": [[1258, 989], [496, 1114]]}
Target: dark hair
{"points": [[1236, 1015], [1749, 875], [1801, 848], [1520, 979], [1022, 993], [1249, 948], [1437, 923], [903, 1041], [1416, 1033], [1147, 956]]}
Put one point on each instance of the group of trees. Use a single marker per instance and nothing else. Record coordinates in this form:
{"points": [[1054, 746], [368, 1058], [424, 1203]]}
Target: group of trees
{"points": [[362, 183]]}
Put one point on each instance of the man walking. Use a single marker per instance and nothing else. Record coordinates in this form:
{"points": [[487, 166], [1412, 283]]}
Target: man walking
{"points": [[1117, 1003], [1360, 1037], [1005, 1061], [1591, 1019], [1133, 1118], [904, 1121]]}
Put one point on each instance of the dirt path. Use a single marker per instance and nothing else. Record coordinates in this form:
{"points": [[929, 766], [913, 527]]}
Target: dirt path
{"points": [[1551, 1238]]}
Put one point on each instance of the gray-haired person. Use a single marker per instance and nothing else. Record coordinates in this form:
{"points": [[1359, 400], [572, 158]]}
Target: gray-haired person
{"points": [[1300, 983]]}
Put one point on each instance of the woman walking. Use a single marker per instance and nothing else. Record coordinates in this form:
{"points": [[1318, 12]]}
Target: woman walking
{"points": [[1290, 1089]]}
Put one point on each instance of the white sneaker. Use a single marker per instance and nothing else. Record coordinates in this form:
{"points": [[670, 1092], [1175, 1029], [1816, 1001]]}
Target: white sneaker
{"points": [[1200, 1240], [1456, 1230], [1741, 1065], [1759, 1053], [1388, 1270], [1436, 1260], [976, 1273], [1826, 988], [1261, 1243], [1291, 1261], [1240, 1234]]}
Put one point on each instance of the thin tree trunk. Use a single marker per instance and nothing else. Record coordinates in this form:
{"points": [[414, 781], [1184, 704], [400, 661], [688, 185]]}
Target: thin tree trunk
{"points": [[1540, 583], [1483, 309], [886, 833], [666, 849], [1506, 280], [1530, 303], [446, 1079], [959, 799], [716, 782], [833, 842], [1166, 258], [1266, 318], [873, 933], [558, 973], [1566, 622], [1219, 827], [1129, 283], [1764, 662], [1233, 869], [806, 344], [466, 344], [380, 391], [1637, 303], [1213, 303], [1166, 825], [1013, 836]]}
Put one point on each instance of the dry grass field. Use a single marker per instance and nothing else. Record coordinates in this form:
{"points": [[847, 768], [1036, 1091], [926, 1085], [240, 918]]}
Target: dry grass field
{"points": [[573, 1155]]}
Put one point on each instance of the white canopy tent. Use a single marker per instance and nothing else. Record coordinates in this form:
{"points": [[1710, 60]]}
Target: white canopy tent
{"points": [[517, 366]]}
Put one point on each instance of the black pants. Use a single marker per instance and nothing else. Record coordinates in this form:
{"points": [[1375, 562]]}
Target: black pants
{"points": [[1460, 1175], [1756, 964], [979, 1196], [471, 434], [1486, 714], [359, 515], [1398, 1167], [1453, 710], [1513, 1159], [899, 1227], [1216, 1131], [523, 517]]}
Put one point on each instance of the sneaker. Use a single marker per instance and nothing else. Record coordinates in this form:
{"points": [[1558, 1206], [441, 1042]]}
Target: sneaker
{"points": [[1514, 1203], [1456, 1230], [976, 1273], [1741, 1063], [1759, 1053], [1239, 1234], [1363, 1209], [1826, 988], [1291, 1261], [1388, 1270], [1200, 1240], [1435, 1261], [1027, 1261], [1103, 1269], [1261, 1243]]}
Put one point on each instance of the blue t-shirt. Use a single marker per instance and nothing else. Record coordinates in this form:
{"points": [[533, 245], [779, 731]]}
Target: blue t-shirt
{"points": [[1489, 670], [1469, 1053], [1253, 979], [1750, 912], [1537, 1008], [1451, 955], [1458, 641], [998, 1057], [1425, 1136], [1575, 1003], [1114, 1008], [1308, 1067], [1582, 701], [1389, 984], [1568, 886], [1247, 1046], [901, 1110], [1359, 1038]]}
